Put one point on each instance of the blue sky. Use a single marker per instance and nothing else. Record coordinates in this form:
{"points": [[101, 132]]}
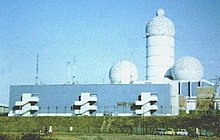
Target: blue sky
{"points": [[97, 34]]}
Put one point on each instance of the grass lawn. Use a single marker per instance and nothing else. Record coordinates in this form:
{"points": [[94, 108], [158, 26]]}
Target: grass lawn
{"points": [[69, 136], [72, 136]]}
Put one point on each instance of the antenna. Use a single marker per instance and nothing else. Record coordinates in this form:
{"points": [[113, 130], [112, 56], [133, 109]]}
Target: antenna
{"points": [[74, 74], [131, 72], [36, 78], [68, 72]]}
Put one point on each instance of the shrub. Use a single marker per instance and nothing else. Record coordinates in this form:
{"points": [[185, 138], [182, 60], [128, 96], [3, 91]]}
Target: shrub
{"points": [[30, 137]]}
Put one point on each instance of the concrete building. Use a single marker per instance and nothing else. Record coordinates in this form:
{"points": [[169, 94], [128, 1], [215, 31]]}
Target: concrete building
{"points": [[111, 99], [3, 109]]}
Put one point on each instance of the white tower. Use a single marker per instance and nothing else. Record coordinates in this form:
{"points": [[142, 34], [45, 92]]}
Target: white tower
{"points": [[160, 33]]}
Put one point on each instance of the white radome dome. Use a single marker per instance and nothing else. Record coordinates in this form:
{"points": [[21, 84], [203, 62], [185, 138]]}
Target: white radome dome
{"points": [[160, 25], [187, 68], [123, 72]]}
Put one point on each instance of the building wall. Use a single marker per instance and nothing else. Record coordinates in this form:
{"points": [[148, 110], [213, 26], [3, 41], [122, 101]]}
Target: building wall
{"points": [[189, 88], [3, 109], [60, 98]]}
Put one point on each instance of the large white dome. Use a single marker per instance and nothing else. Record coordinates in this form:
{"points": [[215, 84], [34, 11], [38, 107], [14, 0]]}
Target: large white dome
{"points": [[187, 68], [160, 25], [123, 72]]}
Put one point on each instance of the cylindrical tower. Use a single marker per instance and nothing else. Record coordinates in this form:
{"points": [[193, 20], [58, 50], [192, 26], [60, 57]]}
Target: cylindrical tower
{"points": [[160, 33]]}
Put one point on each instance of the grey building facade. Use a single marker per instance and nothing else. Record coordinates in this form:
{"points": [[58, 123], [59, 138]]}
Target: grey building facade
{"points": [[60, 98]]}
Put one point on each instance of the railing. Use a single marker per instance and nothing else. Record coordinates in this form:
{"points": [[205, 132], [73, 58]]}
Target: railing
{"points": [[153, 107], [28, 108], [82, 102], [87, 107], [153, 98], [145, 107], [29, 100]]}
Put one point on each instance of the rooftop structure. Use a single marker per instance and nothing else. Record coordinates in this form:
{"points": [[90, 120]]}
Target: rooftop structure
{"points": [[160, 33], [160, 25], [123, 72], [187, 68]]}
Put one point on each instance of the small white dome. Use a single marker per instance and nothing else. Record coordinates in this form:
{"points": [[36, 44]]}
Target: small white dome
{"points": [[160, 25], [123, 72], [187, 68], [160, 12]]}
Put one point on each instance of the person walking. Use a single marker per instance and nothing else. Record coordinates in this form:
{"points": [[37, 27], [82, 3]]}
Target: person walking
{"points": [[50, 129]]}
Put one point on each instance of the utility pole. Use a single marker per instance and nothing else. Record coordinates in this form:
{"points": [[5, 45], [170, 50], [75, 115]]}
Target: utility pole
{"points": [[68, 72], [74, 72]]}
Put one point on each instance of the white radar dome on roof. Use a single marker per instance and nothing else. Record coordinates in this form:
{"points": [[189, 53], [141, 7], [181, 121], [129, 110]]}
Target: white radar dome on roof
{"points": [[123, 72], [187, 68], [160, 25]]}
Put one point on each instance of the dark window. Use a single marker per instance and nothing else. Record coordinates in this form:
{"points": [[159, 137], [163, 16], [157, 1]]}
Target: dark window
{"points": [[179, 88], [188, 88]]}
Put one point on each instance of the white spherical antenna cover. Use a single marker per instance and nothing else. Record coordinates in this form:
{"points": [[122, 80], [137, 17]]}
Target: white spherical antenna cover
{"points": [[160, 25], [187, 68], [123, 72]]}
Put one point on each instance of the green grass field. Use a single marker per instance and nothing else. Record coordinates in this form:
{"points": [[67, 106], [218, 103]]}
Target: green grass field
{"points": [[105, 128], [122, 137]]}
